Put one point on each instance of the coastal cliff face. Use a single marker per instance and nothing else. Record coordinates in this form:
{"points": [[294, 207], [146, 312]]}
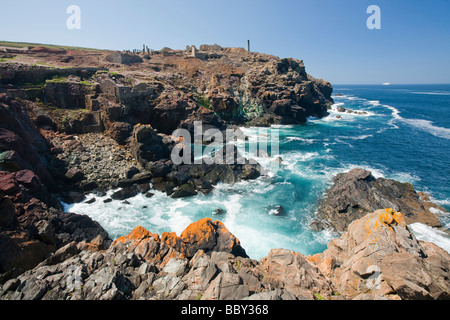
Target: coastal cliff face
{"points": [[77, 97], [85, 123], [168, 90]]}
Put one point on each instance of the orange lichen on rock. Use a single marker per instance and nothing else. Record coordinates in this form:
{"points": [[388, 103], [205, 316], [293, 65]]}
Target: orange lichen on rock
{"points": [[137, 234], [204, 234], [316, 258], [385, 215], [398, 217], [389, 215], [387, 218], [173, 241], [201, 231]]}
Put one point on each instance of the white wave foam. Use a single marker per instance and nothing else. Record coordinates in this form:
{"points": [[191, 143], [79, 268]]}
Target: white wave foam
{"points": [[444, 202], [427, 233], [361, 137], [324, 236], [422, 124], [374, 102], [405, 177], [282, 126], [429, 127], [358, 112], [233, 206], [436, 211], [306, 140], [433, 93], [395, 111]]}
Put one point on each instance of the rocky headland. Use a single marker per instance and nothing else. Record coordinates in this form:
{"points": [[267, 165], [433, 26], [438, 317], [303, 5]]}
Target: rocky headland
{"points": [[76, 122], [357, 193]]}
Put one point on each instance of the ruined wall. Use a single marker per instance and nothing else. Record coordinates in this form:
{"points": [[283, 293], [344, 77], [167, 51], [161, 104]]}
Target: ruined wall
{"points": [[123, 58], [17, 74]]}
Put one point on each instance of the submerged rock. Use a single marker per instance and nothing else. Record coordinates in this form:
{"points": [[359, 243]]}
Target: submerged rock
{"points": [[275, 210]]}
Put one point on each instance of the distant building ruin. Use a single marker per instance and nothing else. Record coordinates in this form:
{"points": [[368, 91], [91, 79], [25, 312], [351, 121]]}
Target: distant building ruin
{"points": [[208, 51], [123, 94], [123, 58]]}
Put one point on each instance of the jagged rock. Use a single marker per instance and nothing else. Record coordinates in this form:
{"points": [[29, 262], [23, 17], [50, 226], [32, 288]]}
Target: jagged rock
{"points": [[357, 192], [125, 193], [7, 213], [185, 190], [67, 93], [378, 257], [72, 197], [173, 108], [21, 140], [147, 146], [120, 132], [292, 272], [74, 175]]}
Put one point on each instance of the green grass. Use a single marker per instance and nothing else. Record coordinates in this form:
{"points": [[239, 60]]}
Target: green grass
{"points": [[6, 59], [319, 297], [53, 46], [57, 79], [41, 63], [203, 101]]}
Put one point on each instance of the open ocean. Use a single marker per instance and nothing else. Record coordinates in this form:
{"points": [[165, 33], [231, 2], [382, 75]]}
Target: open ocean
{"points": [[404, 135]]}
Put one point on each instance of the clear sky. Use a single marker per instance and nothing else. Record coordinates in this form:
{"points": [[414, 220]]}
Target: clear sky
{"points": [[331, 36]]}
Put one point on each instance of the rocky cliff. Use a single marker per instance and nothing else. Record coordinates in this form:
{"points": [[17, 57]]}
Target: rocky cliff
{"points": [[140, 104], [83, 123], [357, 192], [377, 258]]}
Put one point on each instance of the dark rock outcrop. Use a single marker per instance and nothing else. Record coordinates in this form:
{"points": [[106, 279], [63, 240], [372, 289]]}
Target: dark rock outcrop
{"points": [[21, 144], [357, 192], [149, 146], [33, 225]]}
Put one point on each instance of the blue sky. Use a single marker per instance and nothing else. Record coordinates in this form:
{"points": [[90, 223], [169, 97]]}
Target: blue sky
{"points": [[412, 46]]}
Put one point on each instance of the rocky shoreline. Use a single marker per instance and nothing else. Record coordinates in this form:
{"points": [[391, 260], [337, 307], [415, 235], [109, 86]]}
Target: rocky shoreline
{"points": [[79, 127], [372, 260]]}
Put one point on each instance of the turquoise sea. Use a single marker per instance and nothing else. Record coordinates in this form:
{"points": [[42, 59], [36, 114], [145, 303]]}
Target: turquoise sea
{"points": [[404, 134]]}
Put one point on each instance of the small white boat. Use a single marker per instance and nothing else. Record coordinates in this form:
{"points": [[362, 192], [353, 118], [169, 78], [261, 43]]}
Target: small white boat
{"points": [[386, 84]]}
